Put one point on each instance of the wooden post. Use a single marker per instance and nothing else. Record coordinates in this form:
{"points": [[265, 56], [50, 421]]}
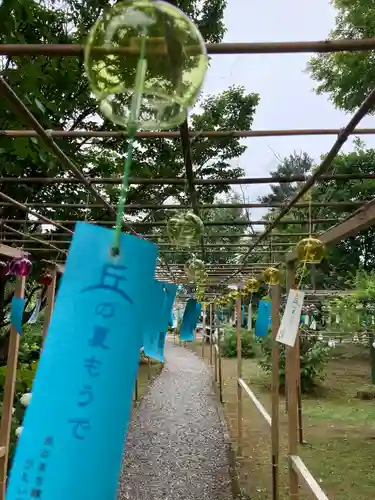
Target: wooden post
{"points": [[219, 362], [210, 317], [51, 290], [136, 390], [239, 376], [275, 311], [9, 386], [204, 329], [372, 357], [213, 329], [299, 391], [292, 385]]}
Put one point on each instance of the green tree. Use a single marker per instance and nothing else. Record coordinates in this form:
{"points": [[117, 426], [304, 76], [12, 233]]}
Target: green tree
{"points": [[294, 164], [344, 259], [347, 77], [57, 92], [355, 313]]}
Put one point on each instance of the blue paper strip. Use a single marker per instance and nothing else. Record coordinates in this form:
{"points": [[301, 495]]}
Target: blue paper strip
{"points": [[16, 313], [263, 321], [74, 429], [155, 328], [190, 320]]}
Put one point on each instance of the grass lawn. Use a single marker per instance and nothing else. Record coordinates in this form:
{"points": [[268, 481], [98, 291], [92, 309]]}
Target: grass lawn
{"points": [[338, 427], [146, 374]]}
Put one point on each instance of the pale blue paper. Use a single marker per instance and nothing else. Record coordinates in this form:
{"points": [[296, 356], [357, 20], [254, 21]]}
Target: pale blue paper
{"points": [[77, 469], [156, 327], [190, 320], [263, 320], [16, 313], [152, 327], [34, 315]]}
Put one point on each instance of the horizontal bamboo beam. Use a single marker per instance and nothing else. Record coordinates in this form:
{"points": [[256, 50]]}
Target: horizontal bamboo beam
{"points": [[31, 239], [160, 245], [359, 221], [54, 234], [54, 249], [15, 253], [25, 115], [181, 181], [206, 206], [192, 133], [224, 266], [324, 46], [42, 221]]}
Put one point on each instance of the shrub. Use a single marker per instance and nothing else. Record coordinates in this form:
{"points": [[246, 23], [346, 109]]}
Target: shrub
{"points": [[229, 344], [24, 380], [313, 357], [31, 343]]}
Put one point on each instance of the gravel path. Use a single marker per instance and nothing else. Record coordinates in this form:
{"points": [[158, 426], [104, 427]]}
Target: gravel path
{"points": [[175, 448]]}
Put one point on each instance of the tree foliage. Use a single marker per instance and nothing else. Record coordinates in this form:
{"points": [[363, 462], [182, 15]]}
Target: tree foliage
{"points": [[344, 259], [57, 93], [294, 164], [347, 77]]}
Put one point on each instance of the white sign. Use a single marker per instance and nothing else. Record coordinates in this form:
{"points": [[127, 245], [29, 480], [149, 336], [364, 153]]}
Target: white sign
{"points": [[290, 322]]}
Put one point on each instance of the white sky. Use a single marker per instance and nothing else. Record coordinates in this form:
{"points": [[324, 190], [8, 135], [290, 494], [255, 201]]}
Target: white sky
{"points": [[287, 97]]}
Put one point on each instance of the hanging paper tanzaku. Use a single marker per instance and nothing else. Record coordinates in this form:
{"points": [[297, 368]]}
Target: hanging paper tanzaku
{"points": [[190, 320], [263, 321], [79, 415], [155, 328]]}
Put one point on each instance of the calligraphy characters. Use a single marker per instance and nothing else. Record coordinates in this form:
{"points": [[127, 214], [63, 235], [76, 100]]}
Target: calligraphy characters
{"points": [[33, 473], [112, 279]]}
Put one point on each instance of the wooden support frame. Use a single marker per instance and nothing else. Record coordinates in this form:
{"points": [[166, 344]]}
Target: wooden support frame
{"points": [[210, 309], [51, 291], [9, 386], [204, 329], [15, 253], [219, 364], [275, 433], [239, 377], [303, 473], [292, 375], [359, 221]]}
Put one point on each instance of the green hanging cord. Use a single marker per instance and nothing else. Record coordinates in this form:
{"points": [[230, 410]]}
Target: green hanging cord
{"points": [[132, 131]]}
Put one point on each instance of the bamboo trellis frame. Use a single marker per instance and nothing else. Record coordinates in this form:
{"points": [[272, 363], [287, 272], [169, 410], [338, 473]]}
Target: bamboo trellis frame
{"points": [[360, 220]]}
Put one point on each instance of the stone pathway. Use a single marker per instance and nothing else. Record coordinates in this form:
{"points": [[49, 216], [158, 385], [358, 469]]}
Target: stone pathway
{"points": [[176, 448]]}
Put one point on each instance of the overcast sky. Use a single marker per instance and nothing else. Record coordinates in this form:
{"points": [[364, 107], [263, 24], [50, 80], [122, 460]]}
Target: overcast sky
{"points": [[287, 97]]}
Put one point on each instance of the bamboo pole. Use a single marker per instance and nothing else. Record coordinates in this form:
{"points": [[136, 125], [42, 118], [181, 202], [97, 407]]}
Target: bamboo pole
{"points": [[204, 328], [299, 391], [51, 290], [136, 389], [215, 363], [210, 319], [9, 386], [239, 377], [292, 385], [220, 375], [275, 438]]}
